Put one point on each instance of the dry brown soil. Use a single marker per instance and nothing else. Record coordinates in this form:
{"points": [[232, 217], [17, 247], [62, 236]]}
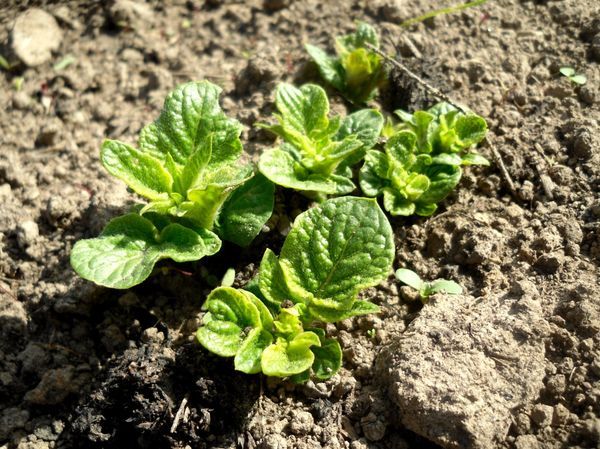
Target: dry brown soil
{"points": [[82, 366]]}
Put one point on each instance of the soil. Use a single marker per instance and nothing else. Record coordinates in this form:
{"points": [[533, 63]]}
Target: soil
{"points": [[83, 366]]}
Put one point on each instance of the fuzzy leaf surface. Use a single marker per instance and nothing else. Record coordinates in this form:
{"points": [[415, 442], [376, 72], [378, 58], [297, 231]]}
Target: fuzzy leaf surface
{"points": [[336, 249]]}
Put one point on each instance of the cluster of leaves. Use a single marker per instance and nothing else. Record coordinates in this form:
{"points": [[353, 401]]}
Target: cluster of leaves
{"points": [[422, 158], [333, 251], [357, 71], [317, 152], [426, 289], [574, 77], [187, 167]]}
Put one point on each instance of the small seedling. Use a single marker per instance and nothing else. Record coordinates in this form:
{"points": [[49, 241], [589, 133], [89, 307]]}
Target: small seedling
{"points": [[228, 278], [426, 289], [334, 251], [356, 72], [575, 78], [420, 164], [371, 333], [64, 63], [187, 167], [317, 152]]}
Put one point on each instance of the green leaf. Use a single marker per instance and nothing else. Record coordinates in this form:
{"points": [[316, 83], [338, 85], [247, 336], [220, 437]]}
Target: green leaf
{"points": [[336, 249], [329, 67], [329, 315], [141, 172], [409, 278], [191, 113], [372, 175], [228, 278], [245, 212], [425, 130], [474, 159], [443, 179], [230, 318], [579, 79], [328, 359], [271, 282], [396, 204], [470, 129], [283, 358], [444, 286], [416, 186], [207, 198], [304, 109], [567, 71], [249, 355], [401, 147], [128, 248], [425, 210], [288, 323], [281, 168], [366, 125], [266, 319], [447, 159], [194, 169]]}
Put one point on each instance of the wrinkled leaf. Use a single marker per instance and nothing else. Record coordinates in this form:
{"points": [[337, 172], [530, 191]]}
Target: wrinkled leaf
{"points": [[246, 211], [145, 175], [129, 246], [281, 168], [230, 318], [335, 250], [191, 113], [285, 358], [249, 355], [328, 359]]}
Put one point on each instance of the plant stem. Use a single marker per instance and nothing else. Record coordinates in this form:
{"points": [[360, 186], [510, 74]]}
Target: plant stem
{"points": [[437, 12]]}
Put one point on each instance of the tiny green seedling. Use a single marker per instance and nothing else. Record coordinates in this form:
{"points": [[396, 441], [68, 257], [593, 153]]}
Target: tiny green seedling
{"points": [[422, 158], [334, 251], [575, 78], [317, 152], [426, 289], [356, 72], [187, 167]]}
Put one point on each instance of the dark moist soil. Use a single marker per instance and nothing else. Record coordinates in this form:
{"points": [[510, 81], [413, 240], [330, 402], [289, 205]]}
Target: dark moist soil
{"points": [[82, 366]]}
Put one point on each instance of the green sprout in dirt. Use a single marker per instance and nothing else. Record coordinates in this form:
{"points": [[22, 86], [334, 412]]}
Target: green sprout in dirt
{"points": [[575, 78], [187, 168], [426, 289], [274, 326], [421, 161], [317, 152], [356, 72]]}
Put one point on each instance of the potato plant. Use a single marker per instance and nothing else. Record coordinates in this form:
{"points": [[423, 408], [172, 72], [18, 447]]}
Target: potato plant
{"points": [[316, 152], [334, 251], [187, 168], [422, 159], [356, 71], [197, 193]]}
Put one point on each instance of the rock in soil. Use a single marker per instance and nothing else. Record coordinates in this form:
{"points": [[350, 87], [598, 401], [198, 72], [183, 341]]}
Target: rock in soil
{"points": [[463, 365], [35, 35]]}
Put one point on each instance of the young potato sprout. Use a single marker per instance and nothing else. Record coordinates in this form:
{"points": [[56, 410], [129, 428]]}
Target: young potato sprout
{"points": [[426, 289]]}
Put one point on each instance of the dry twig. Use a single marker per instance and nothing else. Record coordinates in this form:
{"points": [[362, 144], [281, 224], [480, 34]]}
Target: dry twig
{"points": [[442, 96]]}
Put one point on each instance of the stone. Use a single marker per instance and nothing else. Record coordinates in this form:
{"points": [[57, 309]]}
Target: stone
{"points": [[301, 423], [463, 365], [35, 35], [541, 414], [27, 233]]}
